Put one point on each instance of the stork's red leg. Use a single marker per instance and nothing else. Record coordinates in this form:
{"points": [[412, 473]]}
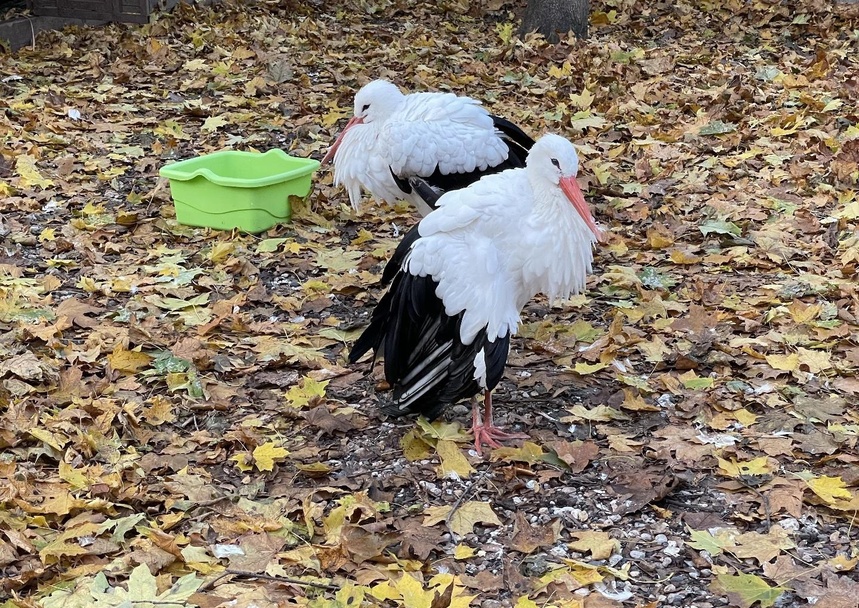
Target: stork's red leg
{"points": [[485, 432]]}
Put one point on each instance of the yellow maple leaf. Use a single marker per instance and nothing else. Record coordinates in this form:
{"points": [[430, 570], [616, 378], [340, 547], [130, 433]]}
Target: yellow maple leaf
{"points": [[25, 166], [681, 257], [363, 236], [746, 589], [221, 251], [413, 593], [505, 32], [243, 461], [385, 591], [438, 429], [414, 446], [463, 552], [128, 361], [530, 452], [601, 413], [745, 417], [829, 488], [213, 122], [266, 454], [308, 392], [440, 583], [92, 209], [842, 563], [600, 544], [54, 440], [584, 369], [159, 410], [51, 552], [48, 234], [714, 544], [195, 65], [74, 477], [453, 461], [270, 245], [734, 468], [583, 100], [562, 72], [330, 119], [351, 595], [815, 360], [803, 313], [785, 363]]}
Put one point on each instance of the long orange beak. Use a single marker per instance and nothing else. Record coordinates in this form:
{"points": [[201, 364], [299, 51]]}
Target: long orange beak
{"points": [[571, 189], [355, 120]]}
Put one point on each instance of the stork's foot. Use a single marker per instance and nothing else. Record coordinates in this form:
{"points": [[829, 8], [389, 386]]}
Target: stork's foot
{"points": [[485, 432], [491, 435]]}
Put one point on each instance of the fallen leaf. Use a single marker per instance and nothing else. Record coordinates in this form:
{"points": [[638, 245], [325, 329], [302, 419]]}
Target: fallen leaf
{"points": [[266, 454], [601, 545], [463, 520]]}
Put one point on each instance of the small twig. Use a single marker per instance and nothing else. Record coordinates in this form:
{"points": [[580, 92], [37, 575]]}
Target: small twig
{"points": [[468, 489], [209, 584], [283, 579], [765, 502]]}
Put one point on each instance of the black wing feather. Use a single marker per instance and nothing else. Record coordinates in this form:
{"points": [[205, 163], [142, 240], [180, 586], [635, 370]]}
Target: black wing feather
{"points": [[423, 352], [431, 187], [518, 142]]}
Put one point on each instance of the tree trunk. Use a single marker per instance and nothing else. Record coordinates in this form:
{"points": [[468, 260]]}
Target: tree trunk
{"points": [[551, 17]]}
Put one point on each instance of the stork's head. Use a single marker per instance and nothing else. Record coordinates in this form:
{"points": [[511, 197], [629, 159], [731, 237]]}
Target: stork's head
{"points": [[553, 163], [375, 102]]}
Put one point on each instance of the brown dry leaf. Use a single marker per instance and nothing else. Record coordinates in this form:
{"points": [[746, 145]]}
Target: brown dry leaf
{"points": [[575, 454], [763, 547], [322, 418], [77, 310], [463, 519], [601, 545], [527, 537]]}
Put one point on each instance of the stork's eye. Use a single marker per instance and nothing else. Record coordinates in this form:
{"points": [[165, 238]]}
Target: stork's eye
{"points": [[556, 163], [366, 107]]}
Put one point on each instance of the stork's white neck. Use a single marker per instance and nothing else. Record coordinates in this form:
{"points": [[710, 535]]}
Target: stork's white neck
{"points": [[559, 263]]}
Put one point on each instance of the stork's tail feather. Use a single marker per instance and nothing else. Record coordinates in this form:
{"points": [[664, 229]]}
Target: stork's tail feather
{"points": [[402, 182], [399, 256], [372, 336], [518, 142], [429, 195], [420, 185], [369, 339]]}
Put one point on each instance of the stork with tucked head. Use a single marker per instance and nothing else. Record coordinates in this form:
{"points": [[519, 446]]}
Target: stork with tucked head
{"points": [[462, 278], [448, 141]]}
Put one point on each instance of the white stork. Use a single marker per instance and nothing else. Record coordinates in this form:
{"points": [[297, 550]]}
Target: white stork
{"points": [[448, 141], [461, 278]]}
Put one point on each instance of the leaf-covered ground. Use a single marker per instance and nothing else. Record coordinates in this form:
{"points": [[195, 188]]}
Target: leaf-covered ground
{"points": [[178, 422]]}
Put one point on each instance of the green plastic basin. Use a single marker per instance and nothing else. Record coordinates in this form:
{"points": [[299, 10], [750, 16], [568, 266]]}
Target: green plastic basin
{"points": [[234, 189]]}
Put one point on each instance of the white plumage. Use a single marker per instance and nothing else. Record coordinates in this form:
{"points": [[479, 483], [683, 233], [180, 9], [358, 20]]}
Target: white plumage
{"points": [[449, 141], [466, 272]]}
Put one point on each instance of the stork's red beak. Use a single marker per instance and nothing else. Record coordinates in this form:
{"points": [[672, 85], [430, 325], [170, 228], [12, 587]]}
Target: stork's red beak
{"points": [[571, 189], [355, 120]]}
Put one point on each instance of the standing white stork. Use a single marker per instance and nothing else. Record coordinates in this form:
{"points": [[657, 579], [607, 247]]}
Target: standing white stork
{"points": [[462, 278], [447, 140]]}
